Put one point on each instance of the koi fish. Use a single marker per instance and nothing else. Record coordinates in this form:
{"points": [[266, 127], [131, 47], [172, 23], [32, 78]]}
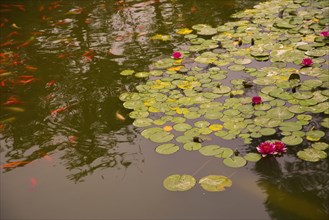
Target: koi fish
{"points": [[5, 74], [119, 116], [74, 11], [31, 68], [193, 9], [33, 183], [56, 111], [24, 82], [72, 139], [51, 83], [47, 158], [12, 34], [14, 164], [12, 101], [15, 26], [2, 83], [8, 120], [10, 42], [26, 77], [20, 7], [25, 43], [89, 55]]}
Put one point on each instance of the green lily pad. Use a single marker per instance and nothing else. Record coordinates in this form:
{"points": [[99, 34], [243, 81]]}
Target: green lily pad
{"points": [[236, 67], [182, 127], [311, 154], [315, 53], [167, 149], [210, 150], [252, 157], [325, 123], [292, 140], [290, 126], [314, 135], [215, 183], [127, 72], [191, 146], [281, 112], [142, 74], [161, 136], [267, 131], [142, 122], [264, 81], [235, 161], [225, 152], [178, 182], [320, 146]]}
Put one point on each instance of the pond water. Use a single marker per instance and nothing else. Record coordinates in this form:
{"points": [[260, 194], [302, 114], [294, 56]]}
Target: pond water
{"points": [[68, 148]]}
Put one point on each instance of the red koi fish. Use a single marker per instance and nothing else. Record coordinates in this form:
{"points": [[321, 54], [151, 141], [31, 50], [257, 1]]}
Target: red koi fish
{"points": [[12, 101], [26, 77], [10, 42], [12, 34], [20, 7], [2, 83], [56, 111], [14, 164], [51, 83], [27, 81], [89, 55], [33, 183], [25, 43]]}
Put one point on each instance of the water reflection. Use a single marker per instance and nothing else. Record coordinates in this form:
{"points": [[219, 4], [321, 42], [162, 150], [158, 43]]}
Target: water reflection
{"points": [[75, 51]]}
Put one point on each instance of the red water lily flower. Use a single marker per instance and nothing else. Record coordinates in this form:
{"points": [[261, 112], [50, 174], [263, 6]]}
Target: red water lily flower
{"points": [[266, 148], [307, 62], [324, 34], [256, 100], [176, 55], [280, 147]]}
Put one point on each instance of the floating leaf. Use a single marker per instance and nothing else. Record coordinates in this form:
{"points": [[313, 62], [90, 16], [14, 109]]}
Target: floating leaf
{"points": [[314, 135], [320, 146], [167, 149], [235, 161], [191, 146], [311, 154], [215, 183], [161, 37], [178, 182], [127, 72], [210, 150], [253, 157], [292, 140]]}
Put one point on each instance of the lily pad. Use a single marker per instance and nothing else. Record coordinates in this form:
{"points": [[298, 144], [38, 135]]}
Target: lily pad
{"points": [[252, 157], [292, 140], [210, 150], [320, 145], [235, 161], [314, 135], [178, 182], [191, 146], [127, 72], [215, 183], [311, 154], [167, 149]]}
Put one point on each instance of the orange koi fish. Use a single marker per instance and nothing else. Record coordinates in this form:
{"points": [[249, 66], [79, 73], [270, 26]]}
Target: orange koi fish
{"points": [[33, 183], [51, 83], [72, 139], [31, 68], [26, 77], [10, 42], [12, 101], [12, 34], [25, 43], [14, 164], [2, 83], [119, 116], [20, 7], [56, 111], [27, 81], [89, 55]]}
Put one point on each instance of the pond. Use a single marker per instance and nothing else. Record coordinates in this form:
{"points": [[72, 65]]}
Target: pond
{"points": [[98, 116]]}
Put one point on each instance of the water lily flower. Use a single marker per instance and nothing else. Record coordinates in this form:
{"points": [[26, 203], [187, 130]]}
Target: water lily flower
{"points": [[256, 100], [176, 55], [307, 62], [266, 148], [280, 147], [324, 34]]}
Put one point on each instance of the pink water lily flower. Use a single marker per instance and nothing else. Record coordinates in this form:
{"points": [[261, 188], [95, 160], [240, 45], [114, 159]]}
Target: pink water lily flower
{"points": [[256, 100], [324, 34], [307, 62], [176, 55], [266, 148], [280, 147]]}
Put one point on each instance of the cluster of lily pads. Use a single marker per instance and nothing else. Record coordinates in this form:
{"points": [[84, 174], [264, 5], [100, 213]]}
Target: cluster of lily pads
{"points": [[262, 76]]}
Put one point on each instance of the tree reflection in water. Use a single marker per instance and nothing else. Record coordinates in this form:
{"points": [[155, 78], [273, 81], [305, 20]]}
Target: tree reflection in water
{"points": [[295, 189]]}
